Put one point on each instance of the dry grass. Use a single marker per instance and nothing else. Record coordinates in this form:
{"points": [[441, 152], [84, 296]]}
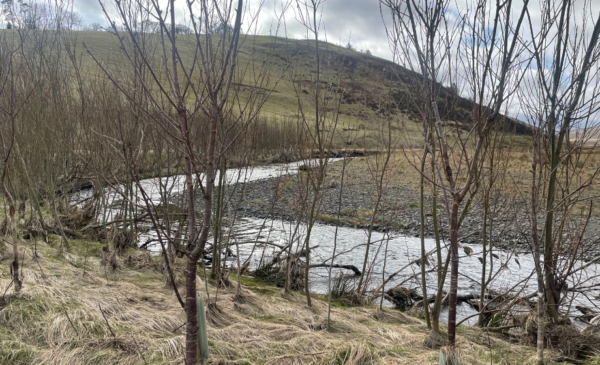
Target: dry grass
{"points": [[402, 173], [59, 319]]}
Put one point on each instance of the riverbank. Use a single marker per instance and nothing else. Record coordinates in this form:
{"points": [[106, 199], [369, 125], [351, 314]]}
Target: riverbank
{"points": [[75, 308], [399, 210]]}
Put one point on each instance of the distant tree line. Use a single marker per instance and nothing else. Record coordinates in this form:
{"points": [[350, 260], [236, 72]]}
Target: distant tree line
{"points": [[31, 16], [153, 27]]}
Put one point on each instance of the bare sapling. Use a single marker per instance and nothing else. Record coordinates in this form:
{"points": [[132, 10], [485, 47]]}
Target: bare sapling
{"points": [[186, 102], [319, 118], [558, 100], [423, 40], [16, 89]]}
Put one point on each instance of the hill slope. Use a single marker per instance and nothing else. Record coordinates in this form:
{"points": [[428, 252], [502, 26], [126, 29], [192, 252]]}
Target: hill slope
{"points": [[369, 89], [367, 86]]}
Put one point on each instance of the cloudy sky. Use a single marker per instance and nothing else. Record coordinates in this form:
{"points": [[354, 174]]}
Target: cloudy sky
{"points": [[357, 21]]}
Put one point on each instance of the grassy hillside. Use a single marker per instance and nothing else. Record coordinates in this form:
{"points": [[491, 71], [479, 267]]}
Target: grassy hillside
{"points": [[361, 78], [370, 88]]}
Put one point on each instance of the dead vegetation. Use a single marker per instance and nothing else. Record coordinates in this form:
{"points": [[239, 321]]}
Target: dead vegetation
{"points": [[563, 338], [127, 316]]}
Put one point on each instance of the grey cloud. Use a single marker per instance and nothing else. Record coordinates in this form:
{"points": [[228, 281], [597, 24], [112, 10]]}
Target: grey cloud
{"points": [[90, 11], [357, 21]]}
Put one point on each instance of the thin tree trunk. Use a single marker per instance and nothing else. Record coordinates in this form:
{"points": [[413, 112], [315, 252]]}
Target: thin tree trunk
{"points": [[311, 221], [536, 254], [14, 267], [550, 287], [321, 164], [337, 225], [56, 217], [216, 254], [191, 311], [15, 264], [484, 258], [423, 252], [453, 273], [383, 274], [441, 269]]}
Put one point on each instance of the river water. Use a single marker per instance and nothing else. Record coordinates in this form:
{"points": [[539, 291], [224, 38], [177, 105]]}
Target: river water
{"points": [[252, 237]]}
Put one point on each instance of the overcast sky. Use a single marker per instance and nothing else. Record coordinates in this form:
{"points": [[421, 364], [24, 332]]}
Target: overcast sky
{"points": [[357, 21]]}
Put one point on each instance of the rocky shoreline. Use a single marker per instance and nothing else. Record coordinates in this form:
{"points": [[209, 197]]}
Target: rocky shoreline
{"points": [[278, 198]]}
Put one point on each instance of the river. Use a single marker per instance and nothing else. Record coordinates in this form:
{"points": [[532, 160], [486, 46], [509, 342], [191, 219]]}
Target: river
{"points": [[510, 273]]}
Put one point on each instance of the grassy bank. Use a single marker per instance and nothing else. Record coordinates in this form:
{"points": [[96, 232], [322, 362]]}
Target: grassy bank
{"points": [[128, 316]]}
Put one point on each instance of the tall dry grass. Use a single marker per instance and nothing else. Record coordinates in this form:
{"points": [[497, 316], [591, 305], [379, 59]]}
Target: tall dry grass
{"points": [[129, 317]]}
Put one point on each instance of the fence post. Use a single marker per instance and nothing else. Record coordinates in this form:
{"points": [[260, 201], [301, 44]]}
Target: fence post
{"points": [[202, 335]]}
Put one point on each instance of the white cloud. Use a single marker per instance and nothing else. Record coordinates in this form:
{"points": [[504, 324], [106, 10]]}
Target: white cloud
{"points": [[357, 21]]}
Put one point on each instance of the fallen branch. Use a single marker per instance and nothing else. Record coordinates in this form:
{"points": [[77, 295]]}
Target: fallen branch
{"points": [[118, 220], [338, 266], [68, 232], [500, 329]]}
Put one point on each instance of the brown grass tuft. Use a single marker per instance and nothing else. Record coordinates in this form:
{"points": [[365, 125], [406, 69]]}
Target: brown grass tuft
{"points": [[562, 337]]}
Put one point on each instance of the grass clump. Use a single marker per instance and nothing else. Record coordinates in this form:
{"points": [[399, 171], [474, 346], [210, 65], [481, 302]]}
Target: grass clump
{"points": [[327, 218]]}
